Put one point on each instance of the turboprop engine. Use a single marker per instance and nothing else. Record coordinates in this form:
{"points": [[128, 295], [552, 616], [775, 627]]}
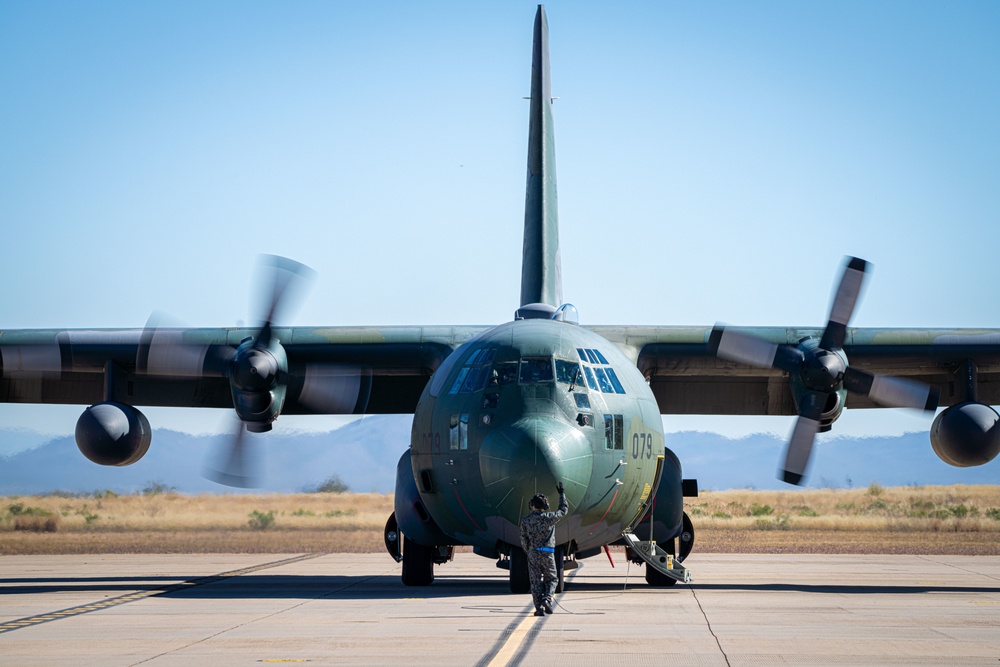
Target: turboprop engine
{"points": [[113, 434], [966, 434]]}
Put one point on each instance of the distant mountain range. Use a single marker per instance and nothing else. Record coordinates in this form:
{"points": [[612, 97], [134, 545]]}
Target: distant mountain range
{"points": [[721, 463], [364, 454]]}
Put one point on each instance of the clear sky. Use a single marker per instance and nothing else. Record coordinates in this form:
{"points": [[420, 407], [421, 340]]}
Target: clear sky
{"points": [[716, 161]]}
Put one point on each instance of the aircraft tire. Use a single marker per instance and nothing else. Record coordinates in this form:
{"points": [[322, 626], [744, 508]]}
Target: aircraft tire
{"points": [[560, 570], [519, 581], [657, 578], [418, 564], [686, 538]]}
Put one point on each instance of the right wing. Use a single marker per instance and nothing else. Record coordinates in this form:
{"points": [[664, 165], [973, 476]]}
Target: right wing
{"points": [[84, 367]]}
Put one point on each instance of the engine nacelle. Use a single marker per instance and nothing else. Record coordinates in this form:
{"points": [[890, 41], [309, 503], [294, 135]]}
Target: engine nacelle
{"points": [[832, 409], [966, 435], [113, 434]]}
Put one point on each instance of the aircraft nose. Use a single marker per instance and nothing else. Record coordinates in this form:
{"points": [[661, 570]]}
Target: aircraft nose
{"points": [[530, 456]]}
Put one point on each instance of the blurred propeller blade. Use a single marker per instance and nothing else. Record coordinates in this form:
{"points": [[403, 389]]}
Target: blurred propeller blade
{"points": [[257, 370], [799, 450], [742, 348], [163, 350], [893, 392], [235, 462], [800, 444], [821, 370], [30, 360], [283, 280], [329, 389], [844, 302], [745, 348]]}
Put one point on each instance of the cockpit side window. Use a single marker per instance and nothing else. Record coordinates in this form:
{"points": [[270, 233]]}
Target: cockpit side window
{"points": [[603, 382], [600, 375], [615, 382], [476, 380], [472, 377], [459, 380], [614, 431]]}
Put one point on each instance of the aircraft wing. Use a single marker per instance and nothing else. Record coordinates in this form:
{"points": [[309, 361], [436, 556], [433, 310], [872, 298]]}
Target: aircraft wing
{"points": [[79, 366], [687, 377], [88, 366]]}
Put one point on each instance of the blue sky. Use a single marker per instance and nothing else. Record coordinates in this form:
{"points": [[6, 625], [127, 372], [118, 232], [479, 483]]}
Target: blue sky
{"points": [[715, 161]]}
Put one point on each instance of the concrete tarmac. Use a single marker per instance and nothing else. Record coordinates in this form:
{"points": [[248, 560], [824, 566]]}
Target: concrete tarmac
{"points": [[351, 609]]}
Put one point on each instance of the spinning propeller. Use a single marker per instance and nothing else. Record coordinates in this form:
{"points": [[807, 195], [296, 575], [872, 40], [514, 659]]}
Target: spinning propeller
{"points": [[257, 369], [819, 371]]}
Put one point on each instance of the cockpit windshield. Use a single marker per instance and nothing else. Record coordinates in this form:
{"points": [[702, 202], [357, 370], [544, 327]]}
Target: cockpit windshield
{"points": [[568, 372], [504, 372], [539, 370], [536, 371]]}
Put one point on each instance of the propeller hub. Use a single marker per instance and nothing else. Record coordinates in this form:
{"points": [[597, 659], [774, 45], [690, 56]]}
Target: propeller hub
{"points": [[255, 370], [823, 370]]}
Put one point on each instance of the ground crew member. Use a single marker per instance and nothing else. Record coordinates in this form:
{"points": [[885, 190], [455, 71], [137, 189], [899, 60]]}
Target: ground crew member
{"points": [[538, 539]]}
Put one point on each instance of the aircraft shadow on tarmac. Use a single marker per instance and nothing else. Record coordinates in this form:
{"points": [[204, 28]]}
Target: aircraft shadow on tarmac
{"points": [[261, 586], [847, 589], [378, 587]]}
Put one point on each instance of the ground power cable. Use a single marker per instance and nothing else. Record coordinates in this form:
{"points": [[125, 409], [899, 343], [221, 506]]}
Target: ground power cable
{"points": [[600, 597]]}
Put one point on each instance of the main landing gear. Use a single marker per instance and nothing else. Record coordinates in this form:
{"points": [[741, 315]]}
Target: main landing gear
{"points": [[663, 568]]}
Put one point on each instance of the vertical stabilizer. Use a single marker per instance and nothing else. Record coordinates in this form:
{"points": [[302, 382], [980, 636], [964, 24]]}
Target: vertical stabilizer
{"points": [[541, 273]]}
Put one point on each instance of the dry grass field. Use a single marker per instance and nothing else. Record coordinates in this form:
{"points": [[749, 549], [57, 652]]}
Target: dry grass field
{"points": [[175, 523], [941, 520], [910, 519]]}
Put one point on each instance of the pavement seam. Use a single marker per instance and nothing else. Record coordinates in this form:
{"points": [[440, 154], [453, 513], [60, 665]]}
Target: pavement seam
{"points": [[956, 567], [260, 618], [106, 603]]}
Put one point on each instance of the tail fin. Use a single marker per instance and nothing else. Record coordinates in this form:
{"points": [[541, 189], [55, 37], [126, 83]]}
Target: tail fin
{"points": [[541, 273]]}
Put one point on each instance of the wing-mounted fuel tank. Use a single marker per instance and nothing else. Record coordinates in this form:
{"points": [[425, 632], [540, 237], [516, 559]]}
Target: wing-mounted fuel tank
{"points": [[967, 433], [113, 434]]}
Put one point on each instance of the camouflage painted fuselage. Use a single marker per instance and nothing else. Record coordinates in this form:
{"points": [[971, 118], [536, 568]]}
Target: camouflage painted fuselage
{"points": [[521, 407]]}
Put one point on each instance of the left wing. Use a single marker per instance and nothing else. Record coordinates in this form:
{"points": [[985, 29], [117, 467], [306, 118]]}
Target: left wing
{"points": [[814, 373], [687, 377], [788, 371]]}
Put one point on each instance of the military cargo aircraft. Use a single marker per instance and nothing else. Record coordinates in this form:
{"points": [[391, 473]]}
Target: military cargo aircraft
{"points": [[504, 412]]}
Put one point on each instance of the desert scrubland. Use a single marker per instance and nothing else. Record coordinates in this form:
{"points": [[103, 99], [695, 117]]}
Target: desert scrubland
{"points": [[917, 519]]}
